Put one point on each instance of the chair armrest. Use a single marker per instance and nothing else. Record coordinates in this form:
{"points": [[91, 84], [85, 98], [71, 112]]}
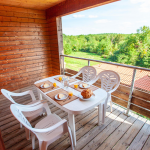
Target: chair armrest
{"points": [[24, 93], [50, 128], [33, 107]]}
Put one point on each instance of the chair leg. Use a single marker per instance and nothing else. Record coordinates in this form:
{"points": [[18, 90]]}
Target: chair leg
{"points": [[33, 140], [27, 133], [42, 145], [71, 139], [20, 125], [111, 105]]}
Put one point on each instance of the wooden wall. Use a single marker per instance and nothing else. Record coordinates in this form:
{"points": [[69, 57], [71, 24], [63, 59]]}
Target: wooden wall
{"points": [[26, 43], [54, 46]]}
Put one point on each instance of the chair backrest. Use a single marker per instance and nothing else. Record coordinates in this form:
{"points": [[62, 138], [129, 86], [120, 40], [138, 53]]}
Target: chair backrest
{"points": [[19, 116], [8, 95], [88, 73], [110, 80]]}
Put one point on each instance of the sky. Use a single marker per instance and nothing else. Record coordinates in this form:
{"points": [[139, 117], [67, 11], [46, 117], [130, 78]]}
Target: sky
{"points": [[124, 16]]}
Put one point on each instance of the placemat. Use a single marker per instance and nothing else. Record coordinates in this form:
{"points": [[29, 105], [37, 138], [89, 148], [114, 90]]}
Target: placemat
{"points": [[93, 88], [62, 102], [47, 89], [70, 81]]}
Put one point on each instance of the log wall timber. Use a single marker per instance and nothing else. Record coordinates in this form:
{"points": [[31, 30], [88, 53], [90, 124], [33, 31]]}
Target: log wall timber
{"points": [[52, 23], [72, 6], [25, 50], [140, 102]]}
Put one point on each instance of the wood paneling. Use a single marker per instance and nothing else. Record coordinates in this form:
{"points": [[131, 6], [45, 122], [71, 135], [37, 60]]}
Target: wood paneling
{"points": [[25, 51], [54, 46], [32, 4], [72, 6]]}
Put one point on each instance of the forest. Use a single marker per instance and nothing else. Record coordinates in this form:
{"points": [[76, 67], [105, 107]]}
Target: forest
{"points": [[131, 49]]}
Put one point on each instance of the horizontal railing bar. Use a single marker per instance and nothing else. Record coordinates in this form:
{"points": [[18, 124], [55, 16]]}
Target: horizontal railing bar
{"points": [[112, 63]]}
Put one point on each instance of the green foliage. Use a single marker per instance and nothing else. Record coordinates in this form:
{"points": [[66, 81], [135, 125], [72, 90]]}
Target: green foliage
{"points": [[133, 49]]}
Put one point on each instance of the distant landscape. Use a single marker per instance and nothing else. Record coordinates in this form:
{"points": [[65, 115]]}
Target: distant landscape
{"points": [[131, 49]]}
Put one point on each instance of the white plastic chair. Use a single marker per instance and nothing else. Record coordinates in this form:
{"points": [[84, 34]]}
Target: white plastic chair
{"points": [[110, 81], [88, 73], [47, 130], [30, 116]]}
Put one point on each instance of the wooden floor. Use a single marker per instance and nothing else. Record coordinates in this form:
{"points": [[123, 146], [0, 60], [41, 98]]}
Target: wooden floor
{"points": [[118, 133]]}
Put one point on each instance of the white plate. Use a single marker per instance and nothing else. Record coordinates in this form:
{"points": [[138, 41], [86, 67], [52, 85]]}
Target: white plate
{"points": [[44, 87], [87, 99], [65, 96], [81, 86]]}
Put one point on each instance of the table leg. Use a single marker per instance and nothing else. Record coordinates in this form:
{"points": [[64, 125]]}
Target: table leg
{"points": [[100, 114], [39, 94], [72, 127]]}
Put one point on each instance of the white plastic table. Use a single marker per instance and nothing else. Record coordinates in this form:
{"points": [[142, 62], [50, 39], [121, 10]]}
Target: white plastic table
{"points": [[77, 106]]}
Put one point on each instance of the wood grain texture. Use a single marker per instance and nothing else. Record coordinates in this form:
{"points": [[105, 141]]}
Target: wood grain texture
{"points": [[72, 6], [25, 47], [32, 4], [52, 24], [128, 132]]}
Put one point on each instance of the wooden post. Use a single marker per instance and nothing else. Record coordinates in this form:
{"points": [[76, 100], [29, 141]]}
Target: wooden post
{"points": [[2, 146], [60, 43]]}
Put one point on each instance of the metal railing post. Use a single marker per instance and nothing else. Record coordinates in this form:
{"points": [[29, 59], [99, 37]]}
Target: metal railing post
{"points": [[131, 91], [88, 62]]}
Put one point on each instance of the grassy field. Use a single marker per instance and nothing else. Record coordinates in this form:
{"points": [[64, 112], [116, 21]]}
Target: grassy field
{"points": [[76, 64]]}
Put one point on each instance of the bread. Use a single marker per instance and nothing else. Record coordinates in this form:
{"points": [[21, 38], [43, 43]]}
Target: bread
{"points": [[45, 85], [60, 96], [87, 93], [84, 85]]}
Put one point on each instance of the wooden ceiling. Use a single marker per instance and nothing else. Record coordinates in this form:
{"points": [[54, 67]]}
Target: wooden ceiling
{"points": [[33, 4]]}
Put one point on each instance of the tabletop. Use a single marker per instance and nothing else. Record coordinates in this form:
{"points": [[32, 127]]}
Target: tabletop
{"points": [[77, 106]]}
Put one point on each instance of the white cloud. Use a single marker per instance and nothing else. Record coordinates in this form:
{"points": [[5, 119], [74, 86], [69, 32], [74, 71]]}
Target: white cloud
{"points": [[102, 21], [92, 16], [78, 16]]}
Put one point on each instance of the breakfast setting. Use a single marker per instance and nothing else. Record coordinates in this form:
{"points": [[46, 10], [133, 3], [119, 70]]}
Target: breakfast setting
{"points": [[61, 95]]}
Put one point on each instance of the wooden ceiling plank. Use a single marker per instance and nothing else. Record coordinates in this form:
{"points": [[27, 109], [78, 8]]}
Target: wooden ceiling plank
{"points": [[72, 6]]}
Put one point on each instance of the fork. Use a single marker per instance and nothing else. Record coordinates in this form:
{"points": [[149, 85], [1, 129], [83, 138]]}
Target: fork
{"points": [[69, 97]]}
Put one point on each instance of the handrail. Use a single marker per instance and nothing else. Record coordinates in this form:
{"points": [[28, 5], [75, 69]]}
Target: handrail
{"points": [[112, 63]]}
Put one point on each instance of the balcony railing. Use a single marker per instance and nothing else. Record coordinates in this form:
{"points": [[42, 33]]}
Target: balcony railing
{"points": [[134, 90]]}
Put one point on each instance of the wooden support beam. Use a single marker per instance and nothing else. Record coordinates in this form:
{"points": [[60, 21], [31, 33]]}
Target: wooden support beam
{"points": [[73, 6], [2, 146]]}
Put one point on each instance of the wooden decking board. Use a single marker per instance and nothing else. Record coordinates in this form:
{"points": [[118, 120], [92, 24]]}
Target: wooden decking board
{"points": [[100, 138], [86, 138], [147, 144], [81, 132], [126, 140], [141, 137], [79, 125], [118, 133], [115, 134]]}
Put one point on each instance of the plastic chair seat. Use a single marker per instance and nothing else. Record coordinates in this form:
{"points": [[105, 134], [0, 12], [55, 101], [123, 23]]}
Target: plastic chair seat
{"points": [[49, 121], [33, 114]]}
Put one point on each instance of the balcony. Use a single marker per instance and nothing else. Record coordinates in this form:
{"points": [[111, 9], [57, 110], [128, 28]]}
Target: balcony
{"points": [[31, 48], [120, 131]]}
